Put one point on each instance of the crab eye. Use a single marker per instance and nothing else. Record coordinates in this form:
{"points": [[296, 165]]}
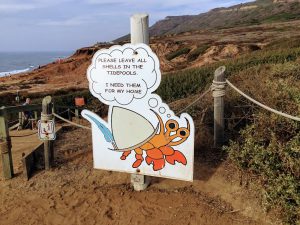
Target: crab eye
{"points": [[183, 132], [172, 125]]}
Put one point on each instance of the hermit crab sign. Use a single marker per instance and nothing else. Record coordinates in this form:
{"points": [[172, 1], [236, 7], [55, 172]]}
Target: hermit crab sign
{"points": [[141, 135]]}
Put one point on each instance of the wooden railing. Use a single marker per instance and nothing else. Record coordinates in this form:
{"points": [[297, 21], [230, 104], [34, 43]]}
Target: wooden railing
{"points": [[5, 139]]}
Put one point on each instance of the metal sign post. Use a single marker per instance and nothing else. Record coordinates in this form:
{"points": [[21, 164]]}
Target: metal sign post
{"points": [[139, 24]]}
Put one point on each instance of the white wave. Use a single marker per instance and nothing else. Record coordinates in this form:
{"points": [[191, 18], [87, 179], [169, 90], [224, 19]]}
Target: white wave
{"points": [[3, 74]]}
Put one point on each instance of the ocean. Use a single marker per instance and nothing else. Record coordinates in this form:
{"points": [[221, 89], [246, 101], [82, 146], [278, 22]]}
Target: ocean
{"points": [[19, 62]]}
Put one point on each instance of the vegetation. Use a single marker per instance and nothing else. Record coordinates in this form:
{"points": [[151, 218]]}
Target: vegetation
{"points": [[179, 52], [261, 150], [198, 51], [181, 84], [282, 17], [262, 144]]}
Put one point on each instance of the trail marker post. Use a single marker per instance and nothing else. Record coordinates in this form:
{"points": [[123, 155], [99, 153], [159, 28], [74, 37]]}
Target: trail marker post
{"points": [[139, 30], [47, 129], [5, 146], [219, 84]]}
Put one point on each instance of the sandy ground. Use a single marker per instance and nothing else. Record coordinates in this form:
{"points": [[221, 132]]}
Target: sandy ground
{"points": [[74, 193]]}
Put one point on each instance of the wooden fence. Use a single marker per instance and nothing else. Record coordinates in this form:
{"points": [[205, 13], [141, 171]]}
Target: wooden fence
{"points": [[38, 111]]}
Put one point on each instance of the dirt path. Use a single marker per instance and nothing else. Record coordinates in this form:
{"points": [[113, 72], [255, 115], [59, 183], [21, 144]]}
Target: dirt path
{"points": [[74, 193]]}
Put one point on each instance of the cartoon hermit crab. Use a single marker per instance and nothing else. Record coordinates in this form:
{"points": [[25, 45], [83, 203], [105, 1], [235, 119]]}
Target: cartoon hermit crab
{"points": [[159, 148], [139, 136]]}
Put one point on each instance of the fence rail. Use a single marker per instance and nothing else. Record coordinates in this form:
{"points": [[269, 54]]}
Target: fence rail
{"points": [[5, 137], [20, 108]]}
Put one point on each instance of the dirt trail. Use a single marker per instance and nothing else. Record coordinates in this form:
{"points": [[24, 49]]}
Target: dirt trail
{"points": [[74, 193]]}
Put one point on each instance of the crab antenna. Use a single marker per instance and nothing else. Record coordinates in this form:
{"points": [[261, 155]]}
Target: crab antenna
{"points": [[161, 123], [188, 124]]}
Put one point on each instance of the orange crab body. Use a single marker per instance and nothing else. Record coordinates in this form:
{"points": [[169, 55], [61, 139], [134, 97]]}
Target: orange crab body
{"points": [[159, 149]]}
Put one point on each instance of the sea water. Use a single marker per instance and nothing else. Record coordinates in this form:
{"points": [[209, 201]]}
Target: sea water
{"points": [[19, 62]]}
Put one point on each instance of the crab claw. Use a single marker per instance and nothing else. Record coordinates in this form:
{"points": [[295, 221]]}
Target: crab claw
{"points": [[155, 157], [176, 157], [158, 164]]}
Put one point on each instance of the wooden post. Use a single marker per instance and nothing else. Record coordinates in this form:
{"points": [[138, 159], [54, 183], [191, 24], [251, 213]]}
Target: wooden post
{"points": [[36, 115], [77, 113], [48, 146], [69, 115], [218, 94], [5, 146], [20, 121], [139, 24]]}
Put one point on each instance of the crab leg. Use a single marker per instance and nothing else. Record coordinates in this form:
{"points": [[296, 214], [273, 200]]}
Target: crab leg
{"points": [[125, 154], [139, 157]]}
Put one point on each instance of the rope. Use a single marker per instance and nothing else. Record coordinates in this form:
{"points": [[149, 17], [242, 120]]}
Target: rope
{"points": [[72, 112], [218, 88], [25, 135], [195, 101], [262, 105], [10, 122], [46, 117], [70, 122], [63, 112]]}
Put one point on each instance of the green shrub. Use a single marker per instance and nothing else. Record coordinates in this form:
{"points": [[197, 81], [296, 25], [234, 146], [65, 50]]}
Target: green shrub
{"points": [[177, 53], [193, 55], [183, 83], [281, 17], [260, 150]]}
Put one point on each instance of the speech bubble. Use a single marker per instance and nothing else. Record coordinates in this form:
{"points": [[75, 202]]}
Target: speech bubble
{"points": [[121, 74]]}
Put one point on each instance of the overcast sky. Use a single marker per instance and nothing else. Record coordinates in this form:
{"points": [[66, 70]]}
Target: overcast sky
{"points": [[66, 25]]}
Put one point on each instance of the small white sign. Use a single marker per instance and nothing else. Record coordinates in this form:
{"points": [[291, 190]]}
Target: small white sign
{"points": [[46, 130]]}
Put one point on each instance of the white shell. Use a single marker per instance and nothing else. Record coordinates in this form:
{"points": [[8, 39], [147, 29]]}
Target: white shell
{"points": [[130, 129]]}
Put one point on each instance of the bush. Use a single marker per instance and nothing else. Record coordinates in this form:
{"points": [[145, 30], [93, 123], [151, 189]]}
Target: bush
{"points": [[177, 53], [261, 150], [198, 51], [184, 83]]}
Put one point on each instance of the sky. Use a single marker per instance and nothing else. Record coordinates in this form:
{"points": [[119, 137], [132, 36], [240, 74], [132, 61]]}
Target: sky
{"points": [[66, 25]]}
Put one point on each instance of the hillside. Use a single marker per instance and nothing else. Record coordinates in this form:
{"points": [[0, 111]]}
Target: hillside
{"points": [[182, 51], [252, 13]]}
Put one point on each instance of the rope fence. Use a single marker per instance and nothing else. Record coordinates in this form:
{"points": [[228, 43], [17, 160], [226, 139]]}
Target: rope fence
{"points": [[25, 135], [262, 105], [63, 112], [218, 89], [195, 101], [12, 122], [70, 122]]}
